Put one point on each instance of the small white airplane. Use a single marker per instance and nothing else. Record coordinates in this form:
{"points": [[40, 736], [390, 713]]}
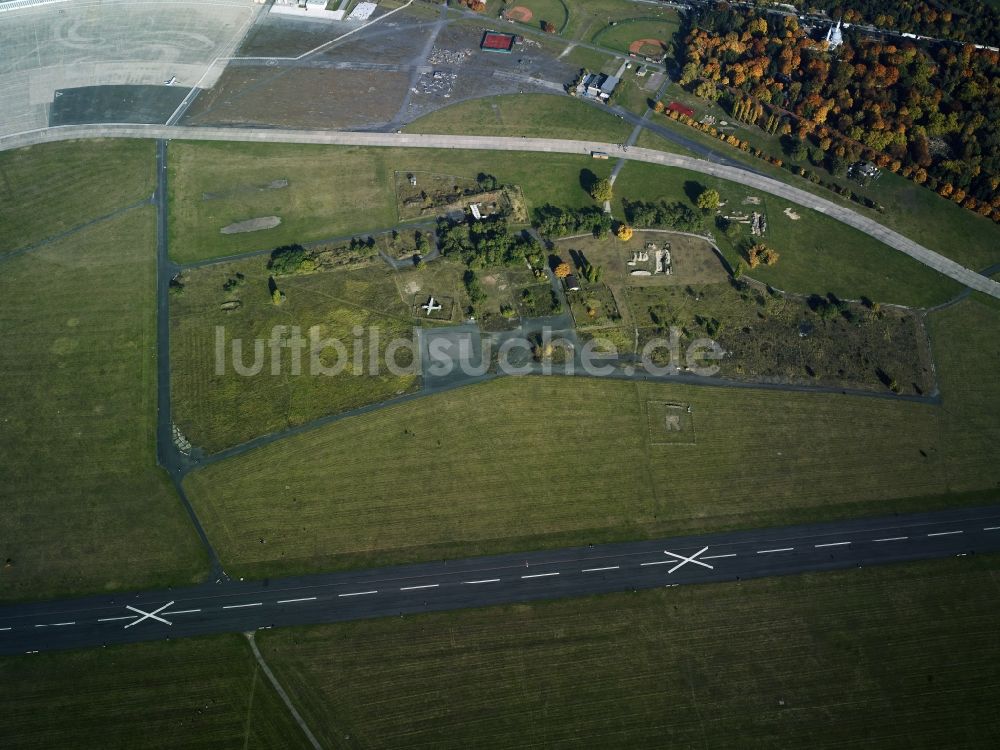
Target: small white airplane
{"points": [[431, 307], [171, 82]]}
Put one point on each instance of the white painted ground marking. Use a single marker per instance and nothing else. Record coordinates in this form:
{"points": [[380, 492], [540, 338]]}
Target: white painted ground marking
{"points": [[540, 575], [292, 601], [4, 628], [148, 615], [657, 562], [716, 557], [239, 606], [359, 593], [414, 588], [945, 533], [991, 528], [55, 624], [597, 570], [831, 544], [182, 611], [113, 619], [685, 560], [891, 539], [485, 580], [780, 549]]}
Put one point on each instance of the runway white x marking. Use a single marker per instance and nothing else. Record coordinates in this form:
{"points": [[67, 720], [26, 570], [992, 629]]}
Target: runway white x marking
{"points": [[685, 560], [148, 615]]}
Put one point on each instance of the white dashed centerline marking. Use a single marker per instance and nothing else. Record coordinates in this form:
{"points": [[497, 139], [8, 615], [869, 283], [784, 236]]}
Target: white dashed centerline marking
{"points": [[945, 533], [991, 528], [598, 570], [3, 629], [891, 539], [55, 624], [484, 580], [415, 588], [657, 562], [359, 593], [239, 606], [716, 557], [540, 575], [190, 611], [292, 601], [114, 619], [831, 544], [781, 549]]}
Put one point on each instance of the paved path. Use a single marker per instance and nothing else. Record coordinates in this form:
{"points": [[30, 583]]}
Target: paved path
{"points": [[946, 266], [234, 606], [166, 452]]}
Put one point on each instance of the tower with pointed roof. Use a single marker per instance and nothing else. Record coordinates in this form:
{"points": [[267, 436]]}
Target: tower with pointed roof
{"points": [[834, 38]]}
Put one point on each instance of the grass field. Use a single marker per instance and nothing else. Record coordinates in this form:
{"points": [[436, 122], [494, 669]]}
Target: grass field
{"points": [[215, 410], [589, 468], [532, 115], [82, 504], [48, 189], [331, 191], [191, 693], [889, 657], [818, 254]]}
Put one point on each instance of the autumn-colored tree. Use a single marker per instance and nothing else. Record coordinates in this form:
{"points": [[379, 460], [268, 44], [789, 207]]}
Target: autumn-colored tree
{"points": [[601, 190], [548, 27], [624, 232], [562, 270], [709, 200]]}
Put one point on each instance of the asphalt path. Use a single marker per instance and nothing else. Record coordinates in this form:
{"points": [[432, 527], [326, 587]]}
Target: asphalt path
{"points": [[235, 606], [893, 239]]}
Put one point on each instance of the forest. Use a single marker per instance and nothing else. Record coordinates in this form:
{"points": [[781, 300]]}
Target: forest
{"points": [[929, 112]]}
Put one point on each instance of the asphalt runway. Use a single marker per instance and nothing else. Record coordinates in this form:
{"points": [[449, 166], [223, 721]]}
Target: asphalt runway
{"points": [[233, 606]]}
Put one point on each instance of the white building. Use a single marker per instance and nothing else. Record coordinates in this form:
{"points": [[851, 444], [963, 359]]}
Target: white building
{"points": [[834, 37]]}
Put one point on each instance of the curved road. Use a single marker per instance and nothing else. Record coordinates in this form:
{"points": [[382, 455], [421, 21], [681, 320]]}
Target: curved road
{"points": [[946, 266]]}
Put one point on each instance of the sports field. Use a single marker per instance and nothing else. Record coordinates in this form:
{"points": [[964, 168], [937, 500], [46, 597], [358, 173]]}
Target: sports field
{"points": [[591, 17], [538, 12], [621, 36], [331, 191], [83, 506], [48, 189], [192, 693], [894, 657]]}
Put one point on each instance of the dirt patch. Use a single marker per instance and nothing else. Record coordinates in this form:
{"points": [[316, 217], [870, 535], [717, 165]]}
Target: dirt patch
{"points": [[752, 200], [791, 214], [411, 288], [520, 14], [300, 97], [647, 47], [252, 225]]}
